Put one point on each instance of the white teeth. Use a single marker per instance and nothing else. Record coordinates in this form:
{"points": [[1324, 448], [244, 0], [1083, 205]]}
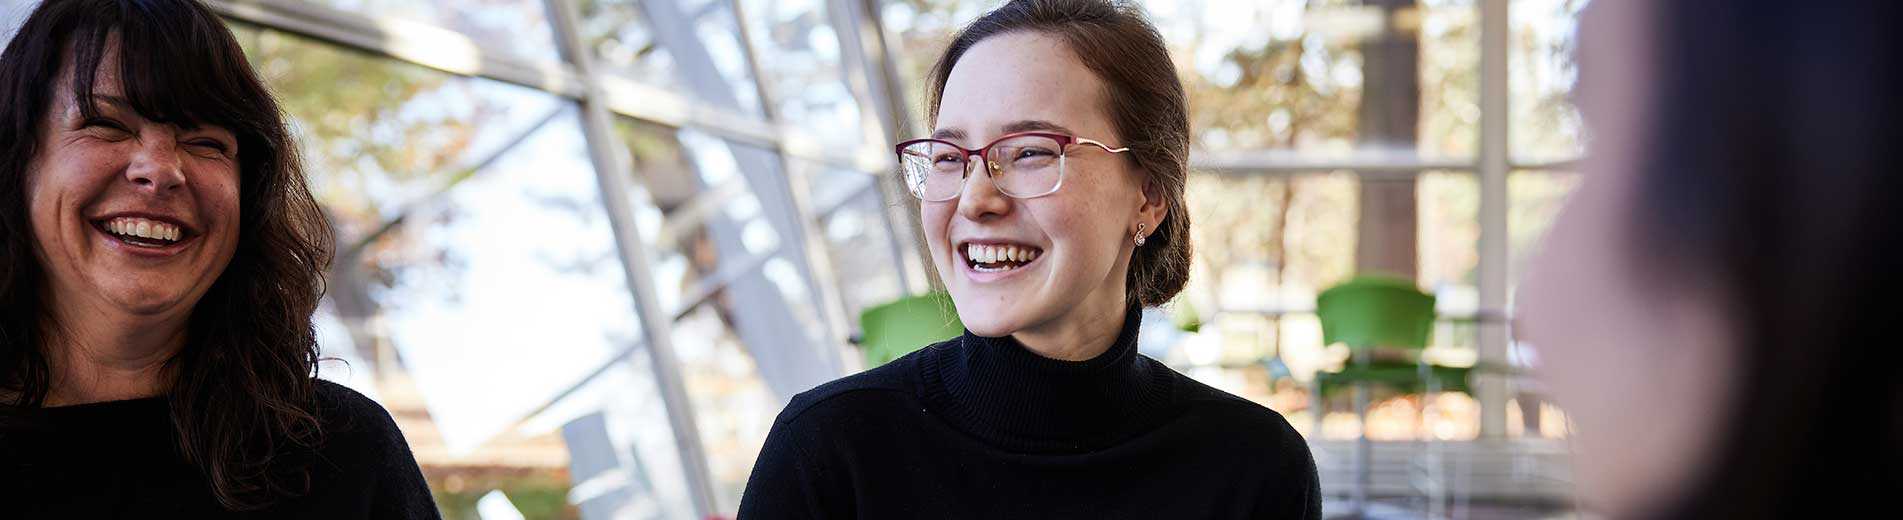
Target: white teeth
{"points": [[152, 229], [1003, 253]]}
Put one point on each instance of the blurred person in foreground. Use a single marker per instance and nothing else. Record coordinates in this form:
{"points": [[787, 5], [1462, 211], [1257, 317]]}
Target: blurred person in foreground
{"points": [[1052, 201], [1717, 306], [160, 260]]}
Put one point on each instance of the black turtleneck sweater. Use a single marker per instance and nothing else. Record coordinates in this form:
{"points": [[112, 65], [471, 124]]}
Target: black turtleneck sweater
{"points": [[980, 427], [120, 459]]}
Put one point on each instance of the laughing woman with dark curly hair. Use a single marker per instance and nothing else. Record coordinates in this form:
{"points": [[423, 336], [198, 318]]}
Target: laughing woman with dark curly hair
{"points": [[160, 260]]}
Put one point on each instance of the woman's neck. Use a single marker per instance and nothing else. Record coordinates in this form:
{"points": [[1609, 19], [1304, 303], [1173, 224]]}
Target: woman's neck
{"points": [[1081, 334], [109, 356]]}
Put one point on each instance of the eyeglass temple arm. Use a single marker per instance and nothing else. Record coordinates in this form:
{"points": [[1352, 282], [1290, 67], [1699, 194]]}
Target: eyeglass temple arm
{"points": [[1105, 147]]}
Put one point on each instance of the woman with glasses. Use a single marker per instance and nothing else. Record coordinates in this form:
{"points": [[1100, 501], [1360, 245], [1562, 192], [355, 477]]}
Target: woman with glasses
{"points": [[1051, 194]]}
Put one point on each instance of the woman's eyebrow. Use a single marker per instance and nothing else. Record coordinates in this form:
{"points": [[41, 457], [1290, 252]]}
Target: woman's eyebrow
{"points": [[1025, 125], [102, 104], [102, 101], [1034, 125]]}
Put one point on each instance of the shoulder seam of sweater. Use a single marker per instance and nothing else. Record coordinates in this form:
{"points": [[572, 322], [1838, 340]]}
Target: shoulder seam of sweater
{"points": [[1209, 395], [896, 376]]}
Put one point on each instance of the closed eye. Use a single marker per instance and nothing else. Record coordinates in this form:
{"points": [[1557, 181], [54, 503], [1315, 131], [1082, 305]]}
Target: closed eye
{"points": [[210, 145], [1024, 153], [105, 124]]}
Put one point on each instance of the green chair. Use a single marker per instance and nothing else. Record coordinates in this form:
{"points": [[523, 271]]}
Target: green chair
{"points": [[1378, 315], [892, 330], [1373, 313]]}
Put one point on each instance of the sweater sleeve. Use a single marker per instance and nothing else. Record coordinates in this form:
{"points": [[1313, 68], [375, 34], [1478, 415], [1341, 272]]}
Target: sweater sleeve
{"points": [[401, 491], [1310, 492], [782, 484], [396, 488], [1296, 490]]}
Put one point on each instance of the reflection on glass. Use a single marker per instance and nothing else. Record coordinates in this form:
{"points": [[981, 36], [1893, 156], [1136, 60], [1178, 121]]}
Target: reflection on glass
{"points": [[718, 33], [618, 33], [1448, 238], [1306, 83], [530, 229], [343, 361], [518, 27], [1273, 250], [681, 206], [858, 242], [734, 407], [1534, 199], [477, 276], [625, 462], [799, 55], [919, 30], [1542, 71], [1290, 75], [747, 331], [691, 45]]}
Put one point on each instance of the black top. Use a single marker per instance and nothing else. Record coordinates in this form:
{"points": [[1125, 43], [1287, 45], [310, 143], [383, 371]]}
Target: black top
{"points": [[119, 459], [979, 427]]}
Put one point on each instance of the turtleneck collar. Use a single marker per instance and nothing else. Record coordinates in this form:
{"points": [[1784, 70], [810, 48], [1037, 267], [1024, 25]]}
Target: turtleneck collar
{"points": [[1006, 395]]}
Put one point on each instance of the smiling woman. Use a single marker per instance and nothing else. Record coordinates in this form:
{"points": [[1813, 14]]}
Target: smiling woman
{"points": [[1052, 201], [160, 260]]}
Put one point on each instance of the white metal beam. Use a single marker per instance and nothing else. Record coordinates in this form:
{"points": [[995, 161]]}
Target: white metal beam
{"points": [[414, 42], [656, 327], [822, 281], [1276, 162], [453, 52], [1491, 389]]}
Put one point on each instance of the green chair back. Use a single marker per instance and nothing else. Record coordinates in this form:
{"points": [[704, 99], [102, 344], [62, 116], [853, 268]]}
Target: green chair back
{"points": [[892, 330], [1399, 376], [1371, 311]]}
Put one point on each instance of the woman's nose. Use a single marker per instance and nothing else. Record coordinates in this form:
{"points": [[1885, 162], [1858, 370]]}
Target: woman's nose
{"points": [[981, 198], [157, 163]]}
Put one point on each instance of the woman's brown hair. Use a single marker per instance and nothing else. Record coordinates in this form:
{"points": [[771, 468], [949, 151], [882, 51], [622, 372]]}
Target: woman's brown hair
{"points": [[1771, 171], [242, 394], [1144, 98]]}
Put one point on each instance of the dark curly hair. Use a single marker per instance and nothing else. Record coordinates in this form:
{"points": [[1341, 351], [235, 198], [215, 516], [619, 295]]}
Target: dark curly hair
{"points": [[242, 390], [1144, 98]]}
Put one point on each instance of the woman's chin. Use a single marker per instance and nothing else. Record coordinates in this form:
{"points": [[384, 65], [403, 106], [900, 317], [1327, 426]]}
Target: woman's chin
{"points": [[140, 299], [990, 330], [990, 322]]}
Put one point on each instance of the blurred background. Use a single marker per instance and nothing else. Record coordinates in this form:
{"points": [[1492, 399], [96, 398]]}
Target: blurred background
{"points": [[589, 248]]}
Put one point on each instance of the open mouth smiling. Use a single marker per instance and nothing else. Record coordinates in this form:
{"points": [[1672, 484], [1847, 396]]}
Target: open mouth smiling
{"points": [[142, 232], [998, 257]]}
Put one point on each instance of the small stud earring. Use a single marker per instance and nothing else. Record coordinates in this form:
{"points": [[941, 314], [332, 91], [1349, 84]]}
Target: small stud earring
{"points": [[1140, 238]]}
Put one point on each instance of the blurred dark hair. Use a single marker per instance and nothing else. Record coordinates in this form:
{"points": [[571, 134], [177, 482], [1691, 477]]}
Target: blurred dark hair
{"points": [[242, 396], [1775, 129], [1144, 98]]}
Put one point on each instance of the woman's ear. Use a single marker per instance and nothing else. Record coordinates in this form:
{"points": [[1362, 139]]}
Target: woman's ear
{"points": [[1153, 208]]}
